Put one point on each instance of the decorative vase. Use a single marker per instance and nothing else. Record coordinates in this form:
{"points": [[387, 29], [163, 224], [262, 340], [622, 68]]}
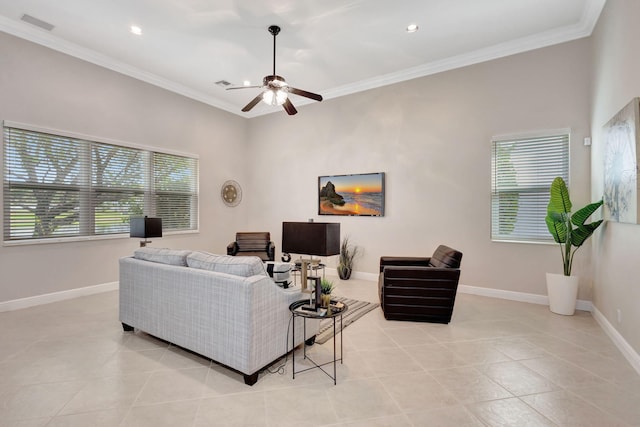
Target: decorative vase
{"points": [[325, 300], [563, 293], [344, 272]]}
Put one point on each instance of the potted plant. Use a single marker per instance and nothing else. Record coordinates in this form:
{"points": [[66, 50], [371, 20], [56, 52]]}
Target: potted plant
{"points": [[563, 288], [326, 287], [348, 253]]}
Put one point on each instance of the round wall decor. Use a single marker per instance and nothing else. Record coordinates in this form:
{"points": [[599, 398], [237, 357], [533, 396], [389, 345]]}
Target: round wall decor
{"points": [[231, 193]]}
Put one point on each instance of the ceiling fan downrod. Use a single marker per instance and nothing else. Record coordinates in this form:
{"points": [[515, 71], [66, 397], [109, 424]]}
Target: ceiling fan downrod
{"points": [[274, 30]]}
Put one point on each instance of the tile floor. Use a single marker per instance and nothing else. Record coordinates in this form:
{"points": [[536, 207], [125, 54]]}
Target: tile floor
{"points": [[499, 363]]}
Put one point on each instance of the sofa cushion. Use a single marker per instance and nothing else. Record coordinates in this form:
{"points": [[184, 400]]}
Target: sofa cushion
{"points": [[238, 266], [163, 256]]}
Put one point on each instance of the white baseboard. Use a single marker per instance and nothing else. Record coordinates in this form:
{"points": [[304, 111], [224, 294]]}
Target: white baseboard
{"points": [[517, 296], [17, 304], [629, 353]]}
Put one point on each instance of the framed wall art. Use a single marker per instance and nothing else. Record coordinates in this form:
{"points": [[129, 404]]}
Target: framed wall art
{"points": [[621, 164], [351, 195]]}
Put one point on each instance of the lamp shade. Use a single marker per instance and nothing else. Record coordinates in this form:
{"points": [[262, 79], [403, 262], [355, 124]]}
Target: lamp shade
{"points": [[311, 238], [145, 227]]}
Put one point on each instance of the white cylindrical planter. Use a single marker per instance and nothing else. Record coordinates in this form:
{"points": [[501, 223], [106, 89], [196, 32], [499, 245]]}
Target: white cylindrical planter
{"points": [[563, 293]]}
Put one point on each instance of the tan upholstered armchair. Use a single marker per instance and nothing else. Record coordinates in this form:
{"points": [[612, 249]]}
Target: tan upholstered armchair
{"points": [[253, 244], [420, 288]]}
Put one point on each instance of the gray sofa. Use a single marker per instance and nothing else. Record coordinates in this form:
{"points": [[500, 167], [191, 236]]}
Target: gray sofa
{"points": [[224, 308]]}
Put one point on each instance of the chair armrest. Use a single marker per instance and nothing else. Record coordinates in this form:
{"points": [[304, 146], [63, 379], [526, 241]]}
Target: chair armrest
{"points": [[271, 251], [232, 248], [403, 261]]}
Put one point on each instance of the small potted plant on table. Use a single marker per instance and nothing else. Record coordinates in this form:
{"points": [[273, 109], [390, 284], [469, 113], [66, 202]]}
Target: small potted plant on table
{"points": [[326, 287]]}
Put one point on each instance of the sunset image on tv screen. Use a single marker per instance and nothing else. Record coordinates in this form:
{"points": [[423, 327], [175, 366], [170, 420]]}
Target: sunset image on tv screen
{"points": [[359, 194]]}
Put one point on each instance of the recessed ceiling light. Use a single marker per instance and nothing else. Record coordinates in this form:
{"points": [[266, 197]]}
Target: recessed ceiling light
{"points": [[246, 83], [136, 30], [412, 28]]}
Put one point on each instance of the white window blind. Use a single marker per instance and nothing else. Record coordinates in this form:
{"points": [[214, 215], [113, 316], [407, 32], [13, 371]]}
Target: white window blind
{"points": [[58, 186], [522, 170]]}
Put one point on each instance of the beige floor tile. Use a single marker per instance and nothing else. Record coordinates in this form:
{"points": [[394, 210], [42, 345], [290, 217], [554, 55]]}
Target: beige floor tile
{"points": [[602, 366], [170, 414], [517, 378], [304, 406], [451, 416], [389, 361], [128, 362], [167, 386], [140, 341], [468, 385], [518, 348], [33, 422], [371, 338], [435, 356], [562, 373], [409, 335], [80, 344], [477, 352], [416, 391], [221, 381], [246, 409], [567, 409], [361, 399], [178, 358], [508, 412], [613, 400], [103, 418], [555, 346], [388, 421], [36, 401], [106, 393]]}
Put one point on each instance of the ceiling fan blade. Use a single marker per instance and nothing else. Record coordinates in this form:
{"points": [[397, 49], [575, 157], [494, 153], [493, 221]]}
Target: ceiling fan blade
{"points": [[304, 93], [289, 108], [242, 87], [253, 103]]}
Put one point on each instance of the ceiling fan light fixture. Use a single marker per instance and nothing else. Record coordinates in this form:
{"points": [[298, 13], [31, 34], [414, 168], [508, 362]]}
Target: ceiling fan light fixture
{"points": [[274, 97]]}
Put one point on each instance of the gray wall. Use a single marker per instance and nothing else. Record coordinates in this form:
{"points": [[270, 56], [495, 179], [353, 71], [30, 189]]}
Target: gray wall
{"points": [[616, 80], [432, 137], [45, 88]]}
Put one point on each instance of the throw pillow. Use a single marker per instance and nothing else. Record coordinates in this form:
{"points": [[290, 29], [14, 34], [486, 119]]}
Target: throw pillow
{"points": [[238, 266], [163, 256]]}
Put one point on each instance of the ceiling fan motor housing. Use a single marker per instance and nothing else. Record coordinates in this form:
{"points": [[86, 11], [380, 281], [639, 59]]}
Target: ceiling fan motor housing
{"points": [[274, 30]]}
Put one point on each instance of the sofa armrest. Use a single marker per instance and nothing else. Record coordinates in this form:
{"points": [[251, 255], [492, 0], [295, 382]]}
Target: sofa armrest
{"points": [[232, 248], [403, 261]]}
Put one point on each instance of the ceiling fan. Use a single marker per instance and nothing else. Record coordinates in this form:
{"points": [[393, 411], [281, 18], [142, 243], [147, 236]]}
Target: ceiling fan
{"points": [[276, 90]]}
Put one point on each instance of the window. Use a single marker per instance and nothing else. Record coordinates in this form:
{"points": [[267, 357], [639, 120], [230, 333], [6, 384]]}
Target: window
{"points": [[522, 170], [59, 186]]}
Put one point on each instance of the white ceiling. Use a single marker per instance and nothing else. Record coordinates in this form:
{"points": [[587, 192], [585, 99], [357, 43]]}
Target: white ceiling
{"points": [[330, 47]]}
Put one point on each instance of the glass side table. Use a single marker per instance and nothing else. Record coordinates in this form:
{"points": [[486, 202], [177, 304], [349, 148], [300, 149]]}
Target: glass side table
{"points": [[297, 311]]}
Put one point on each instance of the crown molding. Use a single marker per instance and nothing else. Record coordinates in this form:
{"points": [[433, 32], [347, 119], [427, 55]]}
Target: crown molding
{"points": [[45, 39], [582, 29]]}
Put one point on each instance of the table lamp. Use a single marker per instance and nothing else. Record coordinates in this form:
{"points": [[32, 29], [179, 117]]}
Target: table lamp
{"points": [[146, 228], [311, 238]]}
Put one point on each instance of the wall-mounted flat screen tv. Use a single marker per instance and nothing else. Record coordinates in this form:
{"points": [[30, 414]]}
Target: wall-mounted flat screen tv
{"points": [[354, 195]]}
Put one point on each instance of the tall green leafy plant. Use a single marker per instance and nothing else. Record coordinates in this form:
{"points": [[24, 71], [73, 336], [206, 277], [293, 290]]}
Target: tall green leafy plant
{"points": [[560, 222]]}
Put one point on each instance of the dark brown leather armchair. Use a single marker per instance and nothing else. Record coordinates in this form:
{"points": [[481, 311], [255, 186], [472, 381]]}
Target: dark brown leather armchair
{"points": [[253, 244], [420, 289]]}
